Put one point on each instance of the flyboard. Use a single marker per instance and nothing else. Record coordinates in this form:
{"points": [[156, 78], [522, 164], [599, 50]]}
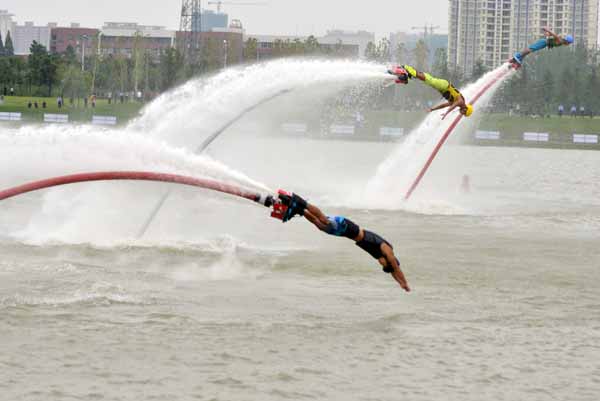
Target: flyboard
{"points": [[279, 208], [451, 128]]}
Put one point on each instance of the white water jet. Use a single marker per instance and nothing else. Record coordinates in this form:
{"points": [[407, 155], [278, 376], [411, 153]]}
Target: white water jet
{"points": [[394, 176], [159, 140]]}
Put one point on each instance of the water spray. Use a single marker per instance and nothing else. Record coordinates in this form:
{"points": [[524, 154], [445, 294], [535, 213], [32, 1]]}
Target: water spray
{"points": [[449, 131]]}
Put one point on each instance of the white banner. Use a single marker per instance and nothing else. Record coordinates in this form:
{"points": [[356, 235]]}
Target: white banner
{"points": [[10, 116], [342, 129], [56, 118], [391, 131], [492, 135], [536, 136], [104, 120], [582, 138]]}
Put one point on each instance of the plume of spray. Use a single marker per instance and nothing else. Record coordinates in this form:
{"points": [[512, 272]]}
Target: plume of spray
{"points": [[393, 177], [51, 150], [33, 153], [182, 118], [190, 112]]}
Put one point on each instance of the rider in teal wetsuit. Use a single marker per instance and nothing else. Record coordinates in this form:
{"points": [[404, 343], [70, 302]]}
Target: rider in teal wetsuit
{"points": [[550, 41], [340, 226]]}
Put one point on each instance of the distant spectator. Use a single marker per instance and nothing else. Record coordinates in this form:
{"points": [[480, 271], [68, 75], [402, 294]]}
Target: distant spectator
{"points": [[359, 118], [5, 91], [121, 97], [573, 111], [59, 102], [12, 91], [582, 111], [109, 97], [29, 105], [93, 100], [35, 104], [561, 110], [465, 185], [44, 104], [85, 102]]}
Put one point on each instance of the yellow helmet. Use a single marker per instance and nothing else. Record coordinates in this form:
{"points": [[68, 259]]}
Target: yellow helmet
{"points": [[469, 110]]}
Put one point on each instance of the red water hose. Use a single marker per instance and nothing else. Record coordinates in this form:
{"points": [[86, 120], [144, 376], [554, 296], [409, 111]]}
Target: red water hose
{"points": [[442, 140], [132, 175]]}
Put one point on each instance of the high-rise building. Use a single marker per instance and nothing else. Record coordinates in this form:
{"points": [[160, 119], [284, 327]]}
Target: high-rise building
{"points": [[6, 24], [576, 17], [491, 30], [211, 20], [463, 34], [25, 35], [494, 26]]}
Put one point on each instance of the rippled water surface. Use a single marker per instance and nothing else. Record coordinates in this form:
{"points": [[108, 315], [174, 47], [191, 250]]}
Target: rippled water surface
{"points": [[506, 300]]}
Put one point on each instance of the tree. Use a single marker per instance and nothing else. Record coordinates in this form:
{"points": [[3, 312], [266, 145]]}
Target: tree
{"points": [[479, 69], [383, 51], [371, 51], [72, 81], [251, 49], [210, 59], [171, 67], [400, 53], [297, 47], [35, 63], [70, 56], [2, 53], [9, 49], [421, 52], [440, 64], [311, 45]]}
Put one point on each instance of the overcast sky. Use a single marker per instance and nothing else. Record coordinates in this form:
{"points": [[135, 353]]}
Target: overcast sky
{"points": [[293, 17]]}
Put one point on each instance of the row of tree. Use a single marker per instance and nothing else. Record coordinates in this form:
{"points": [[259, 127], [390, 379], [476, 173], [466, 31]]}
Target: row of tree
{"points": [[46, 74], [550, 78], [6, 46], [561, 76]]}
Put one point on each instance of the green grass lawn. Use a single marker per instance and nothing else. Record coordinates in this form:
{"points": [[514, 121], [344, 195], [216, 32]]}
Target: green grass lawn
{"points": [[77, 112], [508, 125], [516, 125]]}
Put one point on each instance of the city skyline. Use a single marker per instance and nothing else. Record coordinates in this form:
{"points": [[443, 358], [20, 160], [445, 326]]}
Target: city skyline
{"points": [[277, 17]]}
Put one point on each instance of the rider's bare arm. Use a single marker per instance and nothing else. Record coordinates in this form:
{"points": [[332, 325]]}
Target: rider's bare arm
{"points": [[440, 106], [396, 271]]}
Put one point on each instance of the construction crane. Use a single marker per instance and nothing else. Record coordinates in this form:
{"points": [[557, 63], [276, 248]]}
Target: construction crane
{"points": [[234, 3], [426, 29], [190, 28]]}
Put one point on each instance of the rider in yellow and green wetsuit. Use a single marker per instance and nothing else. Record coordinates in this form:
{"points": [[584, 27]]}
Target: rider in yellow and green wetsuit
{"points": [[447, 90]]}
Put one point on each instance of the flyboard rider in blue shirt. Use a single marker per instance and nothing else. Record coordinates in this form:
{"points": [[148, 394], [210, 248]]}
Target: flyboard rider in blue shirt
{"points": [[289, 205], [549, 41]]}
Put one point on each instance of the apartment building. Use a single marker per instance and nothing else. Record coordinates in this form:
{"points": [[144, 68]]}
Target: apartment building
{"points": [[491, 30]]}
